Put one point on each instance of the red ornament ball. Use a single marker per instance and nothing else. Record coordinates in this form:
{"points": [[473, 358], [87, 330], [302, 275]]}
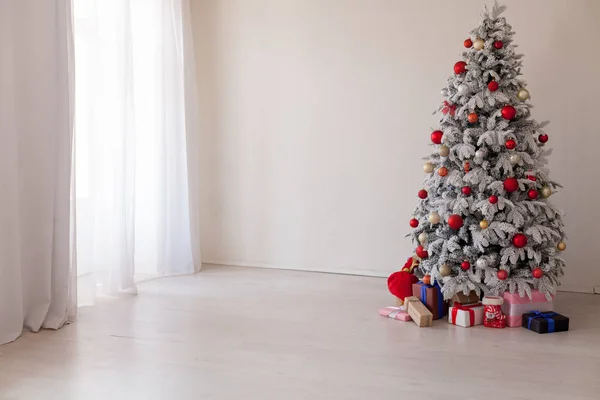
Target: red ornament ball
{"points": [[472, 118], [509, 112], [510, 144], [502, 275], [443, 171], [519, 240], [460, 67], [468, 43], [436, 137], [543, 138], [465, 265], [533, 194], [422, 194], [511, 184], [466, 190], [532, 178], [455, 221], [493, 86], [498, 44], [421, 252], [537, 273], [413, 223], [493, 199]]}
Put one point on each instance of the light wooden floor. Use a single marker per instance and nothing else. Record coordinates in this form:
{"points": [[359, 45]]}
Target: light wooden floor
{"points": [[245, 334]]}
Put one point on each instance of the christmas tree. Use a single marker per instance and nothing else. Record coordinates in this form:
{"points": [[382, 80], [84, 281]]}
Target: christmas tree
{"points": [[483, 221]]}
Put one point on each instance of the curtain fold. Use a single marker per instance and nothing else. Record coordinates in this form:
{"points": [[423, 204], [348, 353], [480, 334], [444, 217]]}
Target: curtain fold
{"points": [[37, 268]]}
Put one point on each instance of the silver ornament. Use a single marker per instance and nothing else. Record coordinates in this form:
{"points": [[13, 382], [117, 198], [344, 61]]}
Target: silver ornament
{"points": [[515, 159], [478, 44], [481, 263], [434, 218], [523, 94], [463, 89], [422, 237], [444, 151], [480, 154], [444, 92]]}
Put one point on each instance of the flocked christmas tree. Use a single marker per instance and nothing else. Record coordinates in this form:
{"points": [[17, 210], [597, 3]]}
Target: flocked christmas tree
{"points": [[483, 221]]}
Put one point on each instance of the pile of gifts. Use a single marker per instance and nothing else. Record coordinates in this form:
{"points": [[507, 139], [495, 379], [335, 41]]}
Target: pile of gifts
{"points": [[423, 302]]}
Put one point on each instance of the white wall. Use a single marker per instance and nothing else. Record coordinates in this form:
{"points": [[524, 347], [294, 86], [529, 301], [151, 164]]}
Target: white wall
{"points": [[316, 114]]}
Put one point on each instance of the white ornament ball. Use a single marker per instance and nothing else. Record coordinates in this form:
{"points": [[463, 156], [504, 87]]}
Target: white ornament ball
{"points": [[434, 218], [523, 94], [481, 263], [422, 237], [515, 159], [463, 89], [428, 167], [478, 44], [444, 92], [444, 151], [546, 192]]}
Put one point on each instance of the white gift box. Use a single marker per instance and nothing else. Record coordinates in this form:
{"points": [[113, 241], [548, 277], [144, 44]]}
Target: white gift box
{"points": [[466, 315]]}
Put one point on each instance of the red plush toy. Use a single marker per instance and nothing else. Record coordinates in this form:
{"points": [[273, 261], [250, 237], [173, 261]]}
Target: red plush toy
{"points": [[400, 283]]}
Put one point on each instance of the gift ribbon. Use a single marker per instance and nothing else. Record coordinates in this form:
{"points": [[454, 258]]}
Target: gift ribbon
{"points": [[424, 288], [548, 316], [395, 312], [468, 308]]}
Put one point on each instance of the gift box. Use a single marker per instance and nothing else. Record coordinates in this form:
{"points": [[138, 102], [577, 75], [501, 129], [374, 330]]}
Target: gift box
{"points": [[418, 312], [492, 312], [515, 306], [466, 315], [545, 322], [462, 298], [431, 296], [398, 313]]}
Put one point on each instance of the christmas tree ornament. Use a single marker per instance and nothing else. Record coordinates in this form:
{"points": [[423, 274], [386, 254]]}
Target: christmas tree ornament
{"points": [[537, 273], [519, 240], [562, 246], [480, 153], [546, 192], [468, 43], [413, 223], [445, 270], [443, 171], [510, 144], [444, 151], [515, 159], [421, 252], [478, 44], [509, 112], [427, 280], [481, 263], [436, 137], [493, 199], [523, 94], [543, 138], [465, 265], [492, 312], [422, 237], [498, 44], [511, 185], [532, 194], [455, 221], [502, 275], [484, 224], [466, 190], [444, 92], [463, 89], [493, 86], [532, 178], [472, 118], [433, 218], [449, 108], [422, 194], [467, 166], [428, 167], [460, 67]]}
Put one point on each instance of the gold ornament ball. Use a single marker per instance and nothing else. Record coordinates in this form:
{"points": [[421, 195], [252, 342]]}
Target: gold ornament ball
{"points": [[428, 167], [478, 44], [444, 151], [434, 218], [422, 237], [484, 224], [562, 246], [523, 94], [445, 270], [546, 192]]}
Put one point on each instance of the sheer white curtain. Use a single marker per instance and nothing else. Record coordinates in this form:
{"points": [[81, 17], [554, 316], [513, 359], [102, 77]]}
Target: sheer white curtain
{"points": [[135, 111], [37, 272]]}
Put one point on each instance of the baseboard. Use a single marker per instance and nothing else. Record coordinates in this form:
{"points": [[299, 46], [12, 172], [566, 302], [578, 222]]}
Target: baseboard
{"points": [[369, 273]]}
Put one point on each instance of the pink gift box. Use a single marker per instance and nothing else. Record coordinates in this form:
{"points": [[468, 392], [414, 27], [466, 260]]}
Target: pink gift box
{"points": [[398, 313], [515, 306]]}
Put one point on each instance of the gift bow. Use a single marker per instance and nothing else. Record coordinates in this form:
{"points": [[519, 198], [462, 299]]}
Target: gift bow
{"points": [[451, 108], [468, 308], [548, 316]]}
